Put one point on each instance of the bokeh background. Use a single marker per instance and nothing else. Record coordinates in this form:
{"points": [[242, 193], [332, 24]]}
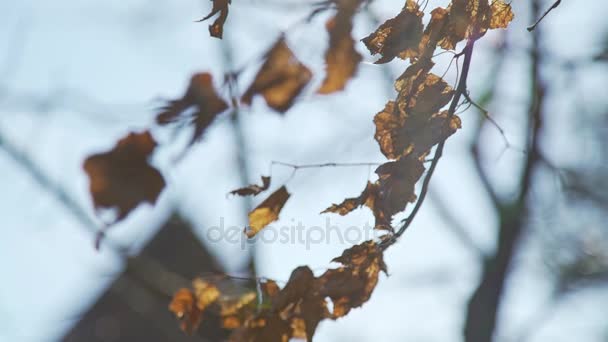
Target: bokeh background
{"points": [[75, 76]]}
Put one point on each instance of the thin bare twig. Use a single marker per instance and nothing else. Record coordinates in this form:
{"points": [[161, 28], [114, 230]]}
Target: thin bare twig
{"points": [[554, 6], [321, 165], [486, 114]]}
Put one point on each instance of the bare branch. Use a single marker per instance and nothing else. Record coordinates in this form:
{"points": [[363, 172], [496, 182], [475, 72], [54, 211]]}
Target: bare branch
{"points": [[554, 6]]}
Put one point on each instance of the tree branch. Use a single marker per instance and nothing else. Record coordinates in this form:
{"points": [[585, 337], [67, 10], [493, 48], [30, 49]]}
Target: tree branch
{"points": [[554, 6], [484, 304]]}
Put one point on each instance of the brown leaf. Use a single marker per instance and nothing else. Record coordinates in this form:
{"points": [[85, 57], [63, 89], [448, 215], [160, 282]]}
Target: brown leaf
{"points": [[397, 180], [265, 327], [122, 177], [200, 95], [267, 212], [341, 57], [296, 310], [184, 307], [433, 33], [217, 28], [253, 189], [351, 286], [412, 125], [368, 198], [472, 18], [502, 14], [399, 36], [205, 293], [351, 204], [281, 78]]}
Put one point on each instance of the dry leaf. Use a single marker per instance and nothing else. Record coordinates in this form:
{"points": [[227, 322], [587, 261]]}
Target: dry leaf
{"points": [[200, 95], [413, 125], [397, 180], [502, 14], [253, 189], [351, 286], [281, 78], [184, 307], [267, 212], [472, 18], [341, 57], [399, 36], [122, 177], [217, 28]]}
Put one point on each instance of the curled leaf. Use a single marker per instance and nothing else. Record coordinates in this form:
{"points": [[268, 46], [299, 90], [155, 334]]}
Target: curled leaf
{"points": [[399, 36], [122, 178], [281, 78], [267, 212], [202, 96], [217, 28], [253, 189]]}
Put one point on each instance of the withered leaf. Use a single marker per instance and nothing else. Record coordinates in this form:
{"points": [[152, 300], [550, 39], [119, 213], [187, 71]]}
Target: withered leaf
{"points": [[351, 204], [267, 212], [397, 180], [202, 96], [122, 178], [502, 14], [294, 311], [183, 305], [341, 57], [265, 327], [253, 189], [351, 286], [433, 32], [399, 36], [281, 78], [412, 125], [472, 18], [217, 28], [368, 198]]}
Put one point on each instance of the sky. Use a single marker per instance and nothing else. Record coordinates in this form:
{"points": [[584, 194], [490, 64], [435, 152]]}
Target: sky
{"points": [[75, 76]]}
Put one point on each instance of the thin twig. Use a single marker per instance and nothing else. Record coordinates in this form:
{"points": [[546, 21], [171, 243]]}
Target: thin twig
{"points": [[316, 166], [554, 6], [486, 113]]}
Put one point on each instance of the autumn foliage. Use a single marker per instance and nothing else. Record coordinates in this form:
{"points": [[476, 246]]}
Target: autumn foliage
{"points": [[408, 128]]}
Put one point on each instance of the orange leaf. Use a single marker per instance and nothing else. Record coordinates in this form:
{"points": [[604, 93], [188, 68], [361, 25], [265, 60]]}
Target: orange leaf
{"points": [[267, 212], [122, 177], [502, 14], [184, 307], [281, 78], [341, 57]]}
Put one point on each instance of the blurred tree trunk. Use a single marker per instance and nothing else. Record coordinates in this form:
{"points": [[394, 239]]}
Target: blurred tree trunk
{"points": [[484, 304]]}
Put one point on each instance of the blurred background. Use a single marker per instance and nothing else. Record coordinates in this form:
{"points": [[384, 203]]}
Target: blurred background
{"points": [[512, 241]]}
